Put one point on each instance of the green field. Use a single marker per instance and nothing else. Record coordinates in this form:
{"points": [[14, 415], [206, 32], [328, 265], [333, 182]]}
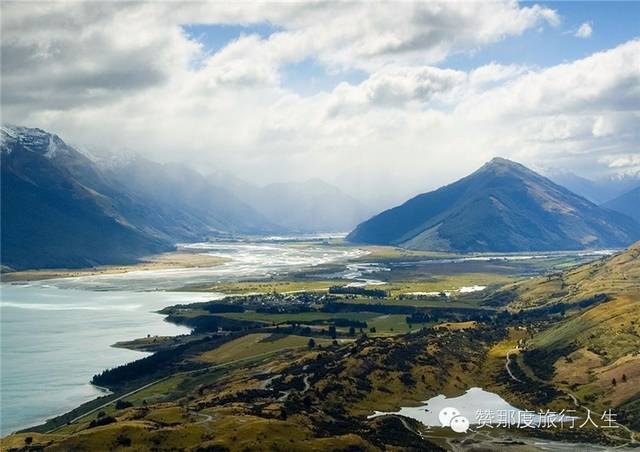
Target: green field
{"points": [[266, 286], [255, 345], [383, 323]]}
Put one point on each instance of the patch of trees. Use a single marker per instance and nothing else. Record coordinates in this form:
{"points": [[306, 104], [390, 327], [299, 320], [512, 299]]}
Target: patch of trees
{"points": [[544, 312], [390, 430], [500, 298], [248, 396], [122, 440], [212, 323], [215, 308], [367, 307], [346, 290], [300, 330], [446, 315], [284, 309], [537, 392], [102, 420], [541, 361], [340, 322], [435, 312], [596, 299], [144, 367], [629, 414], [156, 365], [122, 404]]}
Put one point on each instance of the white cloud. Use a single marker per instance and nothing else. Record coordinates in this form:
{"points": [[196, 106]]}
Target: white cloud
{"points": [[121, 75], [607, 80], [584, 31], [628, 163], [56, 54]]}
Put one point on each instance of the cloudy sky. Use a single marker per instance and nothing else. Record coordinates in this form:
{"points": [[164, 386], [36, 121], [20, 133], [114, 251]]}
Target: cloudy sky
{"points": [[382, 99]]}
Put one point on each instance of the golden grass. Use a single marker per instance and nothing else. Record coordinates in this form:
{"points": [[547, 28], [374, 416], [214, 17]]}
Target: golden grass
{"points": [[622, 391], [576, 367], [377, 252], [617, 276], [457, 325], [167, 415], [19, 440], [611, 329], [253, 345]]}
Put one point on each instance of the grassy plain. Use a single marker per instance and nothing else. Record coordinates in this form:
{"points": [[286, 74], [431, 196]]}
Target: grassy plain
{"points": [[255, 344]]}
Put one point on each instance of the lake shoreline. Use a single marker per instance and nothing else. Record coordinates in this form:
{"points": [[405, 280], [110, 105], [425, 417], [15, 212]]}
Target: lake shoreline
{"points": [[182, 258]]}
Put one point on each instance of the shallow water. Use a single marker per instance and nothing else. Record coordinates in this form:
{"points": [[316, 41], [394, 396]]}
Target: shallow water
{"points": [[246, 261]]}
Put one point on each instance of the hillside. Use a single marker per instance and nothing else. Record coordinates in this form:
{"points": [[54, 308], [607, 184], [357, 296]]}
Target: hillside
{"points": [[51, 219], [614, 276], [628, 203], [501, 207], [306, 400], [263, 382], [589, 341]]}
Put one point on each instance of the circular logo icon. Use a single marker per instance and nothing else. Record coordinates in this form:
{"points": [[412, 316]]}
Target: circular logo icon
{"points": [[459, 424], [446, 414]]}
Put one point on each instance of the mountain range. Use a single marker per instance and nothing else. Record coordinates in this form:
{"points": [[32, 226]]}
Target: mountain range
{"points": [[61, 209], [501, 207], [304, 206], [65, 208], [598, 191]]}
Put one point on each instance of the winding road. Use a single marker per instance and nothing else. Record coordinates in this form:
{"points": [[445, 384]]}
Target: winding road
{"points": [[508, 361], [160, 380]]}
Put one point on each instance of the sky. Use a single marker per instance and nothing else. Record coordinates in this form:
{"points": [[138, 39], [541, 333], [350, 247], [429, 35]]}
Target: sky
{"points": [[383, 99]]}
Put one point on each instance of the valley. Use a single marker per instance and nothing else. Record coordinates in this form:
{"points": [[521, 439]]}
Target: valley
{"points": [[305, 353]]}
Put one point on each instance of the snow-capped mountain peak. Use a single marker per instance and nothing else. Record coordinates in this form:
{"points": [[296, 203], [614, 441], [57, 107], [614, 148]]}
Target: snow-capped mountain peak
{"points": [[35, 140]]}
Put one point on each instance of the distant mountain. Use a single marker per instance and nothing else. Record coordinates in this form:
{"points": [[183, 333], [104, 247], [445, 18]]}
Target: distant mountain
{"points": [[185, 205], [310, 206], [304, 207], [599, 190], [61, 209], [501, 207], [627, 203]]}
